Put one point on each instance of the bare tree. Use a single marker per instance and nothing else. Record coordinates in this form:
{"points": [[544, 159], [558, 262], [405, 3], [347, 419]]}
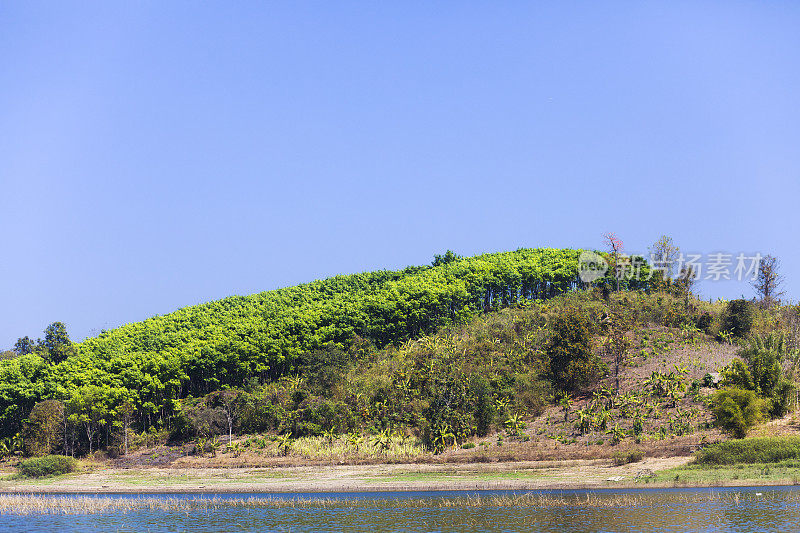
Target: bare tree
{"points": [[126, 411], [769, 281], [615, 250], [664, 255], [227, 402]]}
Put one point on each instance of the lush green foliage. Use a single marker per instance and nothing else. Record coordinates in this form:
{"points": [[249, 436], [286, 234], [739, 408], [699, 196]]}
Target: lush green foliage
{"points": [[756, 450], [49, 465], [761, 370], [737, 410]]}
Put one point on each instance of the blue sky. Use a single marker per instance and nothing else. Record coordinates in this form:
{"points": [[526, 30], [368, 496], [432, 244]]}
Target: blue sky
{"points": [[160, 154]]}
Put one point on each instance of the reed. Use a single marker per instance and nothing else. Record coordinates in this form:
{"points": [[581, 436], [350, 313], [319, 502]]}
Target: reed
{"points": [[33, 504]]}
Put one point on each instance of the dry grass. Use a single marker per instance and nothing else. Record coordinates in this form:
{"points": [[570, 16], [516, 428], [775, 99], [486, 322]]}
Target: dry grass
{"points": [[311, 451], [341, 450], [29, 504]]}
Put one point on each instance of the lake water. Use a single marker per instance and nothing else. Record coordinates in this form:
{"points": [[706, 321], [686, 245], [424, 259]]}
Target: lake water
{"points": [[730, 509]]}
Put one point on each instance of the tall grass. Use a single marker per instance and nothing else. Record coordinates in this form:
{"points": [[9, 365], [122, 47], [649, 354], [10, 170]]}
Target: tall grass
{"points": [[342, 448], [31, 504], [755, 450]]}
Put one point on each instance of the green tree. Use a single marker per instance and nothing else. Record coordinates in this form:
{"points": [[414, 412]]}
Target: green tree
{"points": [[481, 391], [57, 343], [24, 346], [448, 257], [761, 370], [90, 407]]}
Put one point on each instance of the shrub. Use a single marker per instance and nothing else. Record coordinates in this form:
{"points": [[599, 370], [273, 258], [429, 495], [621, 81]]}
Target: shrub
{"points": [[763, 373], [43, 431], [572, 361], [260, 413], [49, 465], [757, 450], [634, 455], [481, 391], [676, 316], [737, 410], [704, 321], [738, 318]]}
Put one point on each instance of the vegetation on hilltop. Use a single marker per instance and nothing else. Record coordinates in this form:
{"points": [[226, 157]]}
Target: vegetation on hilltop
{"points": [[437, 354]]}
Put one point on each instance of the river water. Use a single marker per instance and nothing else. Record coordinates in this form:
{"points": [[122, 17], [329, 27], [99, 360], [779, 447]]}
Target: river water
{"points": [[729, 509]]}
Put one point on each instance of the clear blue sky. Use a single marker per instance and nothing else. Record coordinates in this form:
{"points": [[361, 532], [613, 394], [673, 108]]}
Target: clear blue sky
{"points": [[160, 154]]}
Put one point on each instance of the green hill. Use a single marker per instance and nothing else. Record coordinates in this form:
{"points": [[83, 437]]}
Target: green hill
{"points": [[152, 365]]}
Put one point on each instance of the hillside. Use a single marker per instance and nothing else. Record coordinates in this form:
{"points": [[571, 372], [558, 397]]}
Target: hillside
{"points": [[507, 351], [150, 365]]}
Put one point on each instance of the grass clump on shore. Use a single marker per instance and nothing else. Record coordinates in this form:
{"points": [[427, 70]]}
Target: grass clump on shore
{"points": [[49, 465], [755, 450], [634, 455]]}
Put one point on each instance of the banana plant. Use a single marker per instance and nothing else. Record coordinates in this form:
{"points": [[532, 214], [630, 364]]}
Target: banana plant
{"points": [[443, 439], [638, 425], [5, 447], [514, 424], [502, 404], [565, 402], [617, 434], [726, 336], [584, 421], [284, 443], [383, 440], [330, 436], [600, 420], [354, 439]]}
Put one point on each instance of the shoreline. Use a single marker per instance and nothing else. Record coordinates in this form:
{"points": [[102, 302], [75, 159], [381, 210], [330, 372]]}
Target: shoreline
{"points": [[581, 475]]}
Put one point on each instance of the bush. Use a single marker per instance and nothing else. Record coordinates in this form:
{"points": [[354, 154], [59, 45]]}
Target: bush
{"points": [[704, 321], [49, 465], [763, 373], [738, 318], [481, 391], [737, 410], [572, 361], [758, 450], [42, 433], [634, 455]]}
